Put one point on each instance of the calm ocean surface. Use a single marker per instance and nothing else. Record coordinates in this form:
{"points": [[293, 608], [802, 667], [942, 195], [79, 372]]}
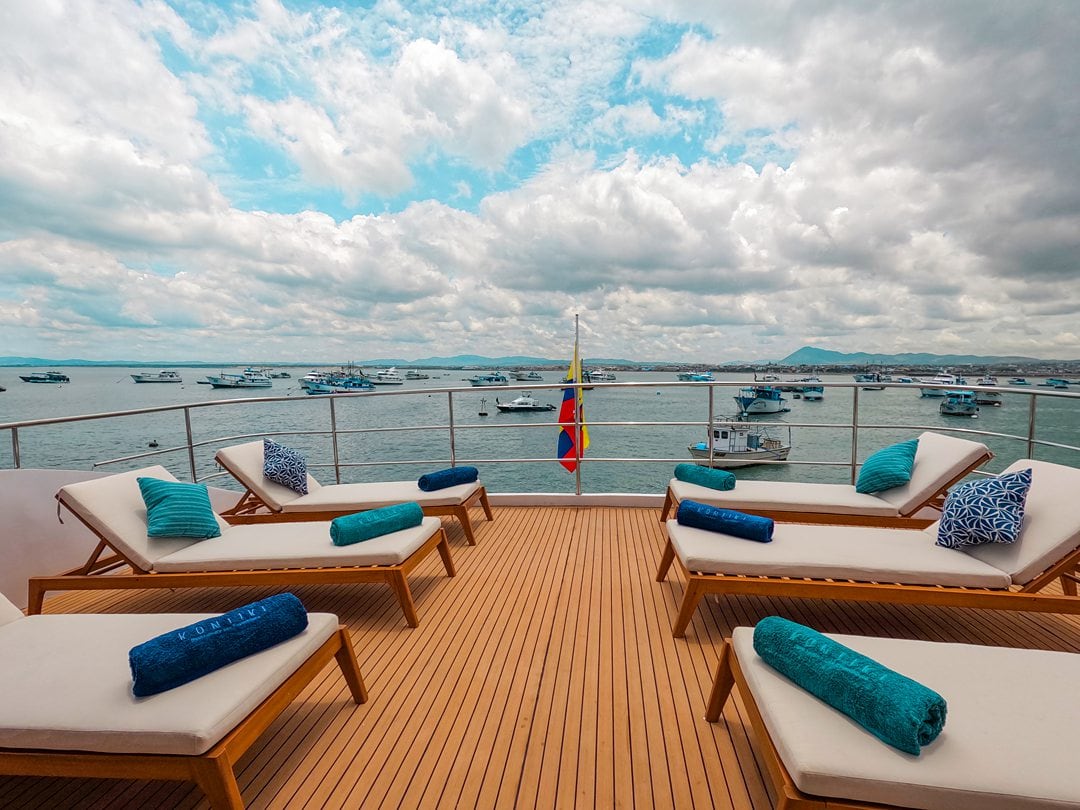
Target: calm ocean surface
{"points": [[529, 435]]}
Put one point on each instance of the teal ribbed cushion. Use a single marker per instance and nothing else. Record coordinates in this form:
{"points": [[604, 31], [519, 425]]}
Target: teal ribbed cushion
{"points": [[887, 468], [176, 509]]}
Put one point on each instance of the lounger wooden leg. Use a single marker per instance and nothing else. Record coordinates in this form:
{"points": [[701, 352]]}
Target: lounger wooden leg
{"points": [[484, 503], [694, 591], [462, 514], [1068, 583], [444, 552], [36, 598], [665, 561], [350, 669], [668, 503], [404, 595], [722, 684], [216, 778]]}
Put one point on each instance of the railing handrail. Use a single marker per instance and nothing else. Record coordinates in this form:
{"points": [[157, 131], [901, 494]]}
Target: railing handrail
{"points": [[453, 425]]}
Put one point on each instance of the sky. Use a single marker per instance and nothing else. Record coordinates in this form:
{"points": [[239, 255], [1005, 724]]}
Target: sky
{"points": [[700, 180]]}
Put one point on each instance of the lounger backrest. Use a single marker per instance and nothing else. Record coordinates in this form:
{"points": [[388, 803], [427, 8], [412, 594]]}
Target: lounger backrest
{"points": [[939, 460], [113, 507], [1051, 528], [8, 611], [245, 462]]}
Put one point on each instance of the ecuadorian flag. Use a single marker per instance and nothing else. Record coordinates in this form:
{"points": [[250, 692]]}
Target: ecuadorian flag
{"points": [[569, 448]]}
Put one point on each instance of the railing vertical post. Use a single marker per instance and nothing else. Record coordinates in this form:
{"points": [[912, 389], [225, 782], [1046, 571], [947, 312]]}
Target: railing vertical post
{"points": [[1032, 399], [190, 444], [453, 435], [334, 439], [708, 427], [15, 457], [854, 431]]}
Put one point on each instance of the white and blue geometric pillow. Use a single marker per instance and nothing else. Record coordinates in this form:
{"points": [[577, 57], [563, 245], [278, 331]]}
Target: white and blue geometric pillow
{"points": [[285, 466], [990, 510]]}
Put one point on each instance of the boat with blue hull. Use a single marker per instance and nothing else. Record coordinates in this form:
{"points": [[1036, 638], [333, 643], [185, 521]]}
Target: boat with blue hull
{"points": [[496, 378], [754, 399], [53, 377], [959, 403]]}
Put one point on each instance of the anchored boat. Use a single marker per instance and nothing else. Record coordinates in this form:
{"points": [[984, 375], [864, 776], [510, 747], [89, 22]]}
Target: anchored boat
{"points": [[159, 377], [736, 443], [45, 377], [523, 403], [959, 403], [761, 399]]}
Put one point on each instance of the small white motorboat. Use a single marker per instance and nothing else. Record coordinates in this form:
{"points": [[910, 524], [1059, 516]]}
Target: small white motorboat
{"points": [[159, 377], [523, 403]]}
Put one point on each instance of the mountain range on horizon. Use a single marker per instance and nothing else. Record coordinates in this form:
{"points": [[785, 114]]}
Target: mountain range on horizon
{"points": [[806, 356]]}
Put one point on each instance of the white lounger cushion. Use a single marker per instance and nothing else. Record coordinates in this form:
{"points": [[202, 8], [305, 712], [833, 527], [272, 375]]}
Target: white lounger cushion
{"points": [[245, 461], [907, 556], [938, 461], [293, 545], [1005, 746], [113, 506], [66, 685]]}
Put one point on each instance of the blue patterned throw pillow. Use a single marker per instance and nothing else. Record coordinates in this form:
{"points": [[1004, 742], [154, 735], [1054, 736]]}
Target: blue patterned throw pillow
{"points": [[887, 468], [285, 466], [987, 511], [176, 509]]}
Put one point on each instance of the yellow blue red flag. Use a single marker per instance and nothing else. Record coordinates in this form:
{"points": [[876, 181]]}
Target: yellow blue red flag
{"points": [[570, 449]]}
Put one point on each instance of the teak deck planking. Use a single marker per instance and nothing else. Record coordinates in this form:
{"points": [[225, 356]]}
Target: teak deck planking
{"points": [[544, 675]]}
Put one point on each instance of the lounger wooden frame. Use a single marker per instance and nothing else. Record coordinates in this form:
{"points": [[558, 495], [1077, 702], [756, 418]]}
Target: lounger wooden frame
{"points": [[213, 770], [1025, 598], [904, 521], [788, 796], [253, 509], [94, 574]]}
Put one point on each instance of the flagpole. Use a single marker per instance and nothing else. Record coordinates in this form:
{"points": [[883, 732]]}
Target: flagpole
{"points": [[577, 410]]}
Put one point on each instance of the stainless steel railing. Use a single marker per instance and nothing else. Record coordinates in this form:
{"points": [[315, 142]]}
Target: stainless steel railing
{"points": [[453, 426]]}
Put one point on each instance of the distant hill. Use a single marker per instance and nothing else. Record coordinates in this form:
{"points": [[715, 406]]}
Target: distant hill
{"points": [[812, 356]]}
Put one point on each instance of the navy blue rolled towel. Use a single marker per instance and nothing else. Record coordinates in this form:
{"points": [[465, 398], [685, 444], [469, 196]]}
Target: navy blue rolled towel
{"points": [[349, 529], [450, 477], [182, 655], [726, 521], [894, 708], [705, 477]]}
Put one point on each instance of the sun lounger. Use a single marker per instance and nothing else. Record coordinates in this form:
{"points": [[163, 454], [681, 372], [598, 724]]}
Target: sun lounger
{"points": [[940, 462], [996, 752], [893, 565], [266, 501], [67, 708], [266, 554]]}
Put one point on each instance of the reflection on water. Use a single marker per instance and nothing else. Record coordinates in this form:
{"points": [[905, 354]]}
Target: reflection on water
{"points": [[481, 438]]}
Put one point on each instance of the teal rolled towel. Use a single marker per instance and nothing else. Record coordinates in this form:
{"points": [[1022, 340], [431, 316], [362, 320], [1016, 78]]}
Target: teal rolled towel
{"points": [[349, 529], [894, 708], [704, 477]]}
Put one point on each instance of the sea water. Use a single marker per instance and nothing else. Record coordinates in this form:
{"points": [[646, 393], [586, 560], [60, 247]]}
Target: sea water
{"points": [[514, 451]]}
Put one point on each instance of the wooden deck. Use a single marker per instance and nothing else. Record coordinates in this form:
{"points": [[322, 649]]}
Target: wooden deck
{"points": [[543, 675]]}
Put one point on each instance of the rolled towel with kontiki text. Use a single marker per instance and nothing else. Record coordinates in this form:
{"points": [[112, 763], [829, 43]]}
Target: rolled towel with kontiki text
{"points": [[705, 477], [725, 521], [894, 708], [450, 477], [349, 529], [182, 655]]}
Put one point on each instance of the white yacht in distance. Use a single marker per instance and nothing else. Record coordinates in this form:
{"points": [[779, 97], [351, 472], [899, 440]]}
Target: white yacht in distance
{"points": [[248, 378], [599, 375], [159, 377], [413, 374], [944, 378], [388, 376]]}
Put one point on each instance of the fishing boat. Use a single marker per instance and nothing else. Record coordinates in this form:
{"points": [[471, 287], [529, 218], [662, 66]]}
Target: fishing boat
{"points": [[526, 376], [736, 443], [959, 403], [495, 378], [413, 374], [1018, 381], [872, 381], [248, 378], [523, 403], [696, 376], [813, 393], [1055, 382], [55, 377], [280, 375], [987, 379], [340, 385], [388, 376], [159, 377], [755, 399], [988, 398]]}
